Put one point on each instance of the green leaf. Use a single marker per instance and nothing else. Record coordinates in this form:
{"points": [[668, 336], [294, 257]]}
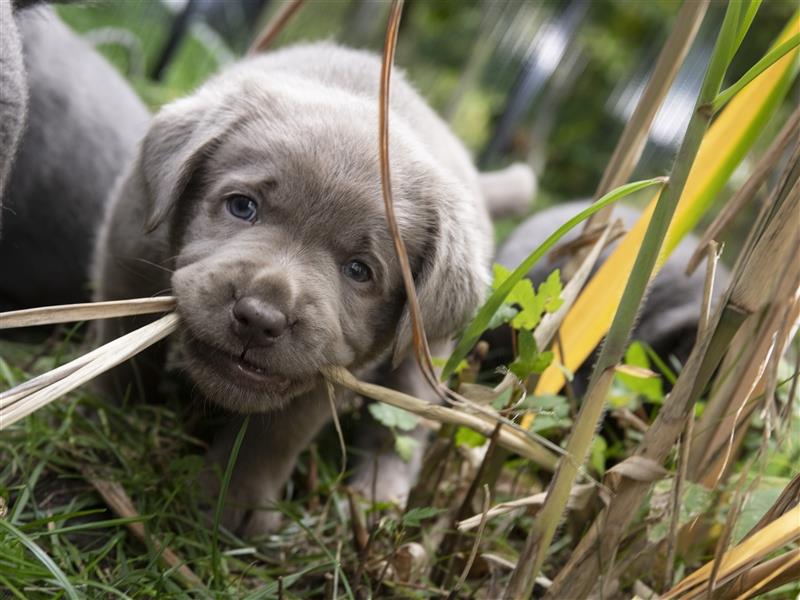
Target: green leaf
{"points": [[469, 438], [529, 359], [598, 454], [531, 304], [696, 501], [756, 505], [393, 417], [405, 445], [746, 20], [499, 275], [415, 516], [545, 402], [649, 387], [503, 315], [541, 362], [478, 325], [551, 411], [526, 346], [531, 314], [502, 400], [550, 292], [762, 65]]}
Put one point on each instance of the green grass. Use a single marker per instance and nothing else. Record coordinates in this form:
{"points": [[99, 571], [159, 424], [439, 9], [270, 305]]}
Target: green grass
{"points": [[148, 23], [56, 522]]}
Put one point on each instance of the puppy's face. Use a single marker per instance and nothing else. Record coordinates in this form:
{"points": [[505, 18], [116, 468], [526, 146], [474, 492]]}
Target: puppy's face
{"points": [[283, 259]]}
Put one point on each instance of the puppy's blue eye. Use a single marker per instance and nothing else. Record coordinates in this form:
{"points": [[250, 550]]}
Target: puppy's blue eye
{"points": [[357, 271], [243, 208]]}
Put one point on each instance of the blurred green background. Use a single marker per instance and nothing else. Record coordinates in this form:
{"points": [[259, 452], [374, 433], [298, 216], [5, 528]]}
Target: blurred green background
{"points": [[549, 82]]}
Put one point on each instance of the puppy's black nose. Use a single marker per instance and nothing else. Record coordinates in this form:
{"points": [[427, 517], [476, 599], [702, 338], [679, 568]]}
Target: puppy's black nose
{"points": [[257, 322]]}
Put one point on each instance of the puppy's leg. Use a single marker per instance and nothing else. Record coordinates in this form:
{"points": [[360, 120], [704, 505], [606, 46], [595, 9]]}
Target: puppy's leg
{"points": [[381, 474], [266, 459]]}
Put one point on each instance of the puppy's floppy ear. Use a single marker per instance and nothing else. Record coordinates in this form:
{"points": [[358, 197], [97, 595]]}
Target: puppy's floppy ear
{"points": [[179, 137], [453, 277]]}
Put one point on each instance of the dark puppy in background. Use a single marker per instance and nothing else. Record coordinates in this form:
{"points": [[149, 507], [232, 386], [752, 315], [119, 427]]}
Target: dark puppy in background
{"points": [[257, 202], [69, 123], [671, 310], [13, 93]]}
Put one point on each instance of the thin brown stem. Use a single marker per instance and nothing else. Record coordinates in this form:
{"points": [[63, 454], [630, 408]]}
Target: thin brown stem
{"points": [[275, 25]]}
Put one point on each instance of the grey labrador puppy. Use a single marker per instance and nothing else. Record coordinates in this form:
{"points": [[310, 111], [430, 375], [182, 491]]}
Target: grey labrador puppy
{"points": [[671, 310], [83, 124], [257, 202]]}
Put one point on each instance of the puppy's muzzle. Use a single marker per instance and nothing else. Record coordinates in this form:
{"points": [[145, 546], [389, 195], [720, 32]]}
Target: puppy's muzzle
{"points": [[257, 322]]}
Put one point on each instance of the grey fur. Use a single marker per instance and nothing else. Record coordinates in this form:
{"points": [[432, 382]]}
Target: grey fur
{"points": [[83, 125], [297, 131], [13, 93], [669, 317], [510, 191]]}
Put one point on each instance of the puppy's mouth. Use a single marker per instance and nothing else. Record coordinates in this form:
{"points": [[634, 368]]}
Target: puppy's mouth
{"points": [[238, 369]]}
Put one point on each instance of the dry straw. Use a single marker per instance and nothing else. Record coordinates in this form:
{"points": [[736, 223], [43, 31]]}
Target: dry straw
{"points": [[30, 396], [24, 399]]}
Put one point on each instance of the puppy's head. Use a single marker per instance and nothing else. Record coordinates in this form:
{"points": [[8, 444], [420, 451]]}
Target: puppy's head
{"points": [[283, 260]]}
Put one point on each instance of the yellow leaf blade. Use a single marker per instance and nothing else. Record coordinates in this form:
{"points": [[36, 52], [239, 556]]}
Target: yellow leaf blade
{"points": [[722, 147], [780, 532]]}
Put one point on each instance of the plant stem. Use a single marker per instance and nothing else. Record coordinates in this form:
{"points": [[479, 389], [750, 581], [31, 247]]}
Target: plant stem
{"points": [[489, 308], [762, 65], [541, 534]]}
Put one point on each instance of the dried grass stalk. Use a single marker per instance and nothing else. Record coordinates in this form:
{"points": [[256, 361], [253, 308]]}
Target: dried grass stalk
{"points": [[632, 141], [120, 503], [420, 341], [104, 358], [577, 498], [783, 530], [582, 570], [27, 388], [66, 313], [501, 509], [508, 438]]}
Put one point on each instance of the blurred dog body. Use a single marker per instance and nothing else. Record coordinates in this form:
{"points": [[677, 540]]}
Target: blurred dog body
{"points": [[261, 194], [671, 310], [83, 124]]}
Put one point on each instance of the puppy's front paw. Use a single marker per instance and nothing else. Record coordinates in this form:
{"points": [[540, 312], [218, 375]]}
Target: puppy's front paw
{"points": [[247, 511], [388, 479], [258, 523]]}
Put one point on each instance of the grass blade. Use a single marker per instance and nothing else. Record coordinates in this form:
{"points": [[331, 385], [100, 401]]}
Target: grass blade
{"points": [[223, 491], [580, 439], [762, 65], [489, 308], [273, 28], [43, 558], [723, 147]]}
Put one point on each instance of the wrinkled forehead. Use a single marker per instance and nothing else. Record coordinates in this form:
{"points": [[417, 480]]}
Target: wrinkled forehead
{"points": [[319, 172]]}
